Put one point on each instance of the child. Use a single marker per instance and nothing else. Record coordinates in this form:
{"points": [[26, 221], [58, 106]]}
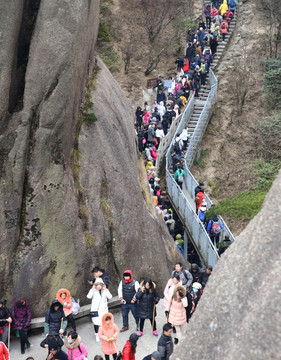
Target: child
{"points": [[63, 296], [108, 333]]}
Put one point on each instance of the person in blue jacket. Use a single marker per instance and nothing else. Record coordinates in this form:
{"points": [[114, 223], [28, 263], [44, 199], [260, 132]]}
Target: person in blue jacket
{"points": [[232, 5], [214, 229]]}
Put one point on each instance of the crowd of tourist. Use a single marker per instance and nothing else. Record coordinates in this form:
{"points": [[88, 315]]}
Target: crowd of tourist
{"points": [[185, 287], [181, 296]]}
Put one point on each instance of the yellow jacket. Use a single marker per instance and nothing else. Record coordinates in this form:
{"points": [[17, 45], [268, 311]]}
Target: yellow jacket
{"points": [[223, 8]]}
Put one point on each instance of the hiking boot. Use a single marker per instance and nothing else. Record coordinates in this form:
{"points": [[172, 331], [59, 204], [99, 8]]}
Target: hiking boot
{"points": [[139, 333], [155, 333], [176, 341], [124, 328]]}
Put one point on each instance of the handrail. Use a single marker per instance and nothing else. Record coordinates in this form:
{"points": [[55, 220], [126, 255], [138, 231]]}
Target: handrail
{"points": [[186, 211]]}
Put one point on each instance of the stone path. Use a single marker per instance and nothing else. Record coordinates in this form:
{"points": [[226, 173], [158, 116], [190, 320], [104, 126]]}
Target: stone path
{"points": [[146, 344]]}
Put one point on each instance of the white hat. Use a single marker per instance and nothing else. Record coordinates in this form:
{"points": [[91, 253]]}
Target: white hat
{"points": [[99, 281], [197, 285]]}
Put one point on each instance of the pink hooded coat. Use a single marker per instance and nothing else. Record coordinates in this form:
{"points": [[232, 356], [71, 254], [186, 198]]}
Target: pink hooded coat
{"points": [[177, 314], [106, 332], [66, 303], [168, 293]]}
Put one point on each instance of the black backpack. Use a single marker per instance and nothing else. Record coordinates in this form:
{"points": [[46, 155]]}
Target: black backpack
{"points": [[177, 146]]}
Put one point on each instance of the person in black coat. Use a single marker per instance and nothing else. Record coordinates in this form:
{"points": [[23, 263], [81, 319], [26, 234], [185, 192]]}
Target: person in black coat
{"points": [[190, 52], [139, 115], [165, 344], [206, 274], [100, 273], [165, 123], [147, 299], [5, 319], [55, 321], [196, 273], [55, 352]]}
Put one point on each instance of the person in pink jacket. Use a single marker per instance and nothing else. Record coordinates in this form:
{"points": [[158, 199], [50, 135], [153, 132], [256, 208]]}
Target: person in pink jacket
{"points": [[108, 333], [75, 348], [63, 296], [169, 291], [177, 311]]}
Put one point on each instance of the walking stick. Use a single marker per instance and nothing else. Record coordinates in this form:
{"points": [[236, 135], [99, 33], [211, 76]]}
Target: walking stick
{"points": [[61, 335], [9, 336], [153, 316]]}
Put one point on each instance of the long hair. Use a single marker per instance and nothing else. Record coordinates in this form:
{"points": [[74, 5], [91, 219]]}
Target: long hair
{"points": [[151, 285]]}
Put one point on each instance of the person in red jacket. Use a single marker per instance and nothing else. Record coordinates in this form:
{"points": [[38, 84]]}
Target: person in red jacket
{"points": [[223, 29], [129, 349], [200, 196], [4, 352]]}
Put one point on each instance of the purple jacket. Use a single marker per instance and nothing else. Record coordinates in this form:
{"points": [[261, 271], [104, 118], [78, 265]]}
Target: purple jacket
{"points": [[207, 12], [21, 316]]}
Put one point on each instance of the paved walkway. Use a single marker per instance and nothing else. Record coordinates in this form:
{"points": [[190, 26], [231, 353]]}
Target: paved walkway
{"points": [[146, 344]]}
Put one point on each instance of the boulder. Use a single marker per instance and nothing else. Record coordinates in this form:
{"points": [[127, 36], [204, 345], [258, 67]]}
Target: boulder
{"points": [[238, 316]]}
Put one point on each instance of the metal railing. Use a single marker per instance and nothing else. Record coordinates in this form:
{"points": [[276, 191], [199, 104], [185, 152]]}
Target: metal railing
{"points": [[185, 203], [182, 203], [202, 122]]}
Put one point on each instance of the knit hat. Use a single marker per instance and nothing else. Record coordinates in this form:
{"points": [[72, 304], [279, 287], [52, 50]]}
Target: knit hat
{"points": [[133, 339], [99, 281], [156, 355]]}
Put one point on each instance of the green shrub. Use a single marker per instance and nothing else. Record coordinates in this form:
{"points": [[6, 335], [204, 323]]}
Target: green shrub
{"points": [[91, 117], [111, 59], [90, 238], [270, 131], [243, 206], [246, 205], [201, 161], [267, 172], [103, 35], [272, 82]]}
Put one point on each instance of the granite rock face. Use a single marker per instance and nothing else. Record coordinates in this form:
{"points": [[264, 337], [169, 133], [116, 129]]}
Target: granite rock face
{"points": [[45, 59], [124, 225], [239, 314]]}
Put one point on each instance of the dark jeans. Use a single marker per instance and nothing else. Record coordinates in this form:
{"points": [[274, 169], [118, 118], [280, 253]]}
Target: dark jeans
{"points": [[125, 308], [114, 356], [203, 79], [223, 36], [5, 334], [215, 238], [23, 339], [70, 319], [96, 327], [179, 184], [142, 324]]}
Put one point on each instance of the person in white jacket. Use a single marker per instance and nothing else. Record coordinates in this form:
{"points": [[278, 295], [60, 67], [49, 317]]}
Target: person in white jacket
{"points": [[100, 296]]}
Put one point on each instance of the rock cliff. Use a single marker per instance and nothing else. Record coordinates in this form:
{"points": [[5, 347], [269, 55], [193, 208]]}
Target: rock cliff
{"points": [[46, 56]]}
